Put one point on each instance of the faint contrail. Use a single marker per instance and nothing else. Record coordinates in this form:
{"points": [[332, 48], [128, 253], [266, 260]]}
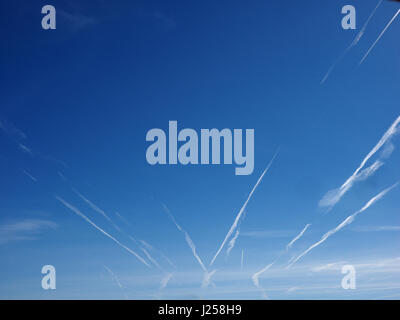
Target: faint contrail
{"points": [[235, 223], [165, 280], [297, 237], [352, 44], [116, 280], [30, 176], [75, 210], [151, 259], [347, 221], [333, 196], [91, 204], [376, 41], [150, 247]]}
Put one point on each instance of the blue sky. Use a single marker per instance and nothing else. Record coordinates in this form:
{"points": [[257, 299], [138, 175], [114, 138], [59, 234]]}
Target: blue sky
{"points": [[76, 104]]}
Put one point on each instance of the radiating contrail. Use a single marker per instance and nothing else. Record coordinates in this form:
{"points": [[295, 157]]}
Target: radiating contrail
{"points": [[75, 210], [333, 196], [150, 247], [235, 223], [352, 44], [151, 259], [92, 205], [376, 41], [297, 237], [345, 222]]}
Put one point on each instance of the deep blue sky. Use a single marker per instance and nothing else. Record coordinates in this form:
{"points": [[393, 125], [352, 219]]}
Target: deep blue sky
{"points": [[82, 98]]}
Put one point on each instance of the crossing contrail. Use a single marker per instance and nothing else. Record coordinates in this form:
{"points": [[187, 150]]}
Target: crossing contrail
{"points": [[76, 211], [237, 219], [381, 34]]}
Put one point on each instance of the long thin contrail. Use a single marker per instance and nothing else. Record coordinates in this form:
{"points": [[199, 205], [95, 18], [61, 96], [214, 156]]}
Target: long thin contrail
{"points": [[376, 41], [151, 248], [297, 237], [345, 222], [352, 44], [333, 196], [237, 219], [75, 210]]}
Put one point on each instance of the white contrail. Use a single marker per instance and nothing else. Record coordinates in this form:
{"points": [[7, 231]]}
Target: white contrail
{"points": [[116, 280], [297, 237], [235, 223], [352, 44], [30, 176], [333, 196], [256, 275], [345, 222], [232, 242], [376, 41], [75, 210], [165, 280]]}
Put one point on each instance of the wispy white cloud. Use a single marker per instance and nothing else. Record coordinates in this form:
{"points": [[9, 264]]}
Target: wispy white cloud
{"points": [[76, 211], [380, 36], [346, 222], [242, 210], [232, 242], [334, 196], [26, 229]]}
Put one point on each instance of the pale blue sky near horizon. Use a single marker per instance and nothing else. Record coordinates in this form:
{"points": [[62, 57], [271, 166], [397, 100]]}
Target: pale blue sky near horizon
{"points": [[76, 104]]}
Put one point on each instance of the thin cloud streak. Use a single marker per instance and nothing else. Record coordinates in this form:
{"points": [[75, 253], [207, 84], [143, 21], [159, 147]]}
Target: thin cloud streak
{"points": [[237, 219], [76, 211], [380, 36], [345, 222]]}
